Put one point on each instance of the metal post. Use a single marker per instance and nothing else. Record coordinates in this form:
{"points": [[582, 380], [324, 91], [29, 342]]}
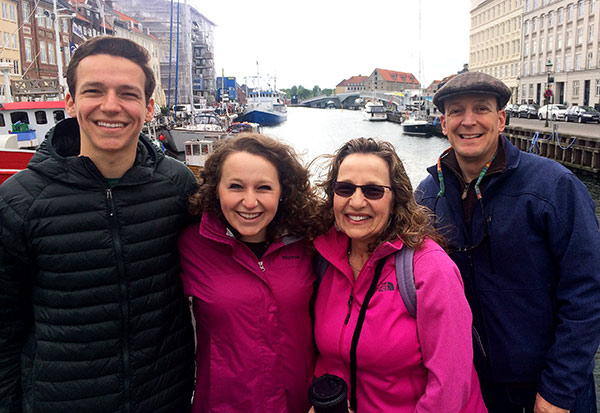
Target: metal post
{"points": [[548, 69], [59, 60]]}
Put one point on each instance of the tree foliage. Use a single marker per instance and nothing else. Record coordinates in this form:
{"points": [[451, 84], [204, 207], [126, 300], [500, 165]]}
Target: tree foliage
{"points": [[302, 93]]}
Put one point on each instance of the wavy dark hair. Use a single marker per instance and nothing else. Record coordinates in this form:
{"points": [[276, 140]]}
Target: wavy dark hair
{"points": [[299, 202], [408, 220]]}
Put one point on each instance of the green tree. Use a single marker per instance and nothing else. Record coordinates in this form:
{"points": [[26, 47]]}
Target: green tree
{"points": [[327, 92], [316, 91]]}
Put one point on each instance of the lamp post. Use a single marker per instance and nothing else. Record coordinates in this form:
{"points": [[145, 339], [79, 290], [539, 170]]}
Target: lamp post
{"points": [[549, 80]]}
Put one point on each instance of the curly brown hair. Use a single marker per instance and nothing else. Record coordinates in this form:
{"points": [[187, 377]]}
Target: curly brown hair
{"points": [[298, 200], [408, 220]]}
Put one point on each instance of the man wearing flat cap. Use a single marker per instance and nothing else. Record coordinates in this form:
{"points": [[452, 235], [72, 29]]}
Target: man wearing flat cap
{"points": [[522, 230]]}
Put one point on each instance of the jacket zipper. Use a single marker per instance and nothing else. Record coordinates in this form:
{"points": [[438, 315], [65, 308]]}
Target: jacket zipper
{"points": [[123, 289], [349, 308], [261, 266]]}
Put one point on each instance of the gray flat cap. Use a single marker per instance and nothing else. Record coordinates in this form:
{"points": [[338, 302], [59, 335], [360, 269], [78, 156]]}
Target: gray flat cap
{"points": [[472, 82]]}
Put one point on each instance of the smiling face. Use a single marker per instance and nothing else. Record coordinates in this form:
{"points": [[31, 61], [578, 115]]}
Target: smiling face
{"points": [[360, 218], [249, 192], [473, 124], [110, 105]]}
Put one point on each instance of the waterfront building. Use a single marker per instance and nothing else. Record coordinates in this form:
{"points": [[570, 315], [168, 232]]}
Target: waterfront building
{"points": [[391, 81], [495, 40], [10, 54], [560, 41], [44, 37], [354, 84], [193, 67], [127, 27]]}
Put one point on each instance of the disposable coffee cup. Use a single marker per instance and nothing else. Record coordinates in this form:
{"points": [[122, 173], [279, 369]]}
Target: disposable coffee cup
{"points": [[329, 394]]}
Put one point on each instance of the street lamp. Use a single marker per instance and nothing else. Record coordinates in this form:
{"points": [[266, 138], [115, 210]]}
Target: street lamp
{"points": [[548, 93]]}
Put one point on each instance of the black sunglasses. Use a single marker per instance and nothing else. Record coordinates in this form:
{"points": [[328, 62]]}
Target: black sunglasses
{"points": [[370, 191]]}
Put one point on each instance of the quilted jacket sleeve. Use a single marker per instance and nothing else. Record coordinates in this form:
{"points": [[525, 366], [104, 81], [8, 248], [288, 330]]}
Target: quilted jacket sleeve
{"points": [[15, 306]]}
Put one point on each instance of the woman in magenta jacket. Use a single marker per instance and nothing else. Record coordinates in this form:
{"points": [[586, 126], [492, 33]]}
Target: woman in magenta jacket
{"points": [[248, 268], [403, 363]]}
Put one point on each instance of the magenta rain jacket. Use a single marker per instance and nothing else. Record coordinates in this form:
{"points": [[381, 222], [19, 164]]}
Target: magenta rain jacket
{"points": [[404, 364], [255, 343]]}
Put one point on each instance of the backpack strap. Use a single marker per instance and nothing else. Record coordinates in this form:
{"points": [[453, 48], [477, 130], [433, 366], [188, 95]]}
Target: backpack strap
{"points": [[406, 279]]}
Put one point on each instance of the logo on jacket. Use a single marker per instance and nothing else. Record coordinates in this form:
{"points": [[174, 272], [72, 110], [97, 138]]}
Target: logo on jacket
{"points": [[386, 286], [290, 257]]}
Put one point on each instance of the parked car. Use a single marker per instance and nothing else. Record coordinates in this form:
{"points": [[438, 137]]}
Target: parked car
{"points": [[512, 110], [553, 111], [582, 114], [528, 110]]}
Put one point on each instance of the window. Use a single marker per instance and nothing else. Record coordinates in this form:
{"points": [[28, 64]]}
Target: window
{"points": [[550, 19], [532, 68], [550, 42], [559, 40], [592, 6], [578, 62], [4, 11], [65, 25], [568, 38], [40, 16], [576, 88], [533, 48], [12, 13], [558, 64], [580, 9], [6, 40], [526, 28], [560, 15], [588, 60], [43, 55], [67, 58], [569, 12], [591, 33], [58, 115], [51, 57], [25, 10], [597, 88], [533, 25], [567, 63], [542, 18], [28, 54], [3, 123], [40, 117], [526, 50], [16, 67], [22, 117], [14, 41]]}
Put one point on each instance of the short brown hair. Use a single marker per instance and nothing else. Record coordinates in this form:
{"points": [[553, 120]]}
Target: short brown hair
{"points": [[298, 200], [112, 46], [408, 220]]}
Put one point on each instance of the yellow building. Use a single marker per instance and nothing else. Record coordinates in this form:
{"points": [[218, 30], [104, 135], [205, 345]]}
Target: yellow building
{"points": [[10, 53]]}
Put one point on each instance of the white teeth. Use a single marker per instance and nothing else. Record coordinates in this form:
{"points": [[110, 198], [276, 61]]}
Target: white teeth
{"points": [[248, 216], [471, 136], [111, 125], [358, 217]]}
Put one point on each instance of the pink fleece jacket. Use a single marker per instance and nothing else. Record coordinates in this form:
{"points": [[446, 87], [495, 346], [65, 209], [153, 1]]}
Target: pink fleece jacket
{"points": [[404, 364], [255, 344]]}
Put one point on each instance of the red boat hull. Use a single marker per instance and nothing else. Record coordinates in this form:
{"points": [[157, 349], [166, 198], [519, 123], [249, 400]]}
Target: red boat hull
{"points": [[12, 161]]}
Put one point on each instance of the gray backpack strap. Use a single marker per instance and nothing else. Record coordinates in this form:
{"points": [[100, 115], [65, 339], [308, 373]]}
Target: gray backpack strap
{"points": [[320, 265], [406, 279]]}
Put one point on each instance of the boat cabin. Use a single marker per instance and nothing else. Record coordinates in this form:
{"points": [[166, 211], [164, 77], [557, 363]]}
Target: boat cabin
{"points": [[40, 117], [197, 151]]}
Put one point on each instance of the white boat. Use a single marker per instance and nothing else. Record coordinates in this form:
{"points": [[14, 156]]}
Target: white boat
{"points": [[416, 126], [40, 117], [265, 107], [375, 111], [207, 125]]}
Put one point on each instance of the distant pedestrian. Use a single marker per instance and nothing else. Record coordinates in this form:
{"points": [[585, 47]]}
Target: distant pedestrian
{"points": [[248, 267], [523, 233]]}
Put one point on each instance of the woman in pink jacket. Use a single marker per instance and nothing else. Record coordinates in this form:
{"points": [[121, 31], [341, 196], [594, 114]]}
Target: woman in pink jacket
{"points": [[248, 268], [403, 363]]}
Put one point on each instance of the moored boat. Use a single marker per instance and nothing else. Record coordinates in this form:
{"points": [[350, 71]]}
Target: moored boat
{"points": [[375, 111], [416, 126], [265, 107]]}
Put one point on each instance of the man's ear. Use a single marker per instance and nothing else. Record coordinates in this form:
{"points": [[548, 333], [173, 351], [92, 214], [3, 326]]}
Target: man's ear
{"points": [[70, 105]]}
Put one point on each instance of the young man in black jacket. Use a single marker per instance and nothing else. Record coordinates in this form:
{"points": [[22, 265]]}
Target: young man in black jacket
{"points": [[93, 314]]}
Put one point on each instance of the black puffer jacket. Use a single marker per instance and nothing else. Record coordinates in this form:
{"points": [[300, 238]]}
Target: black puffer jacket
{"points": [[92, 312]]}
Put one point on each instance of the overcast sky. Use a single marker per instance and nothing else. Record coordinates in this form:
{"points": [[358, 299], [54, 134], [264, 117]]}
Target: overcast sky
{"points": [[322, 42]]}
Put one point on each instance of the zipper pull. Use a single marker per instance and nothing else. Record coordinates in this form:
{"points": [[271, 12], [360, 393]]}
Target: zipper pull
{"points": [[349, 308], [109, 194], [260, 264]]}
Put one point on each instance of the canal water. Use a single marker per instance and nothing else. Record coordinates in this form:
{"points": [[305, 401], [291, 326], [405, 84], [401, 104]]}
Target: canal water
{"points": [[314, 132]]}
